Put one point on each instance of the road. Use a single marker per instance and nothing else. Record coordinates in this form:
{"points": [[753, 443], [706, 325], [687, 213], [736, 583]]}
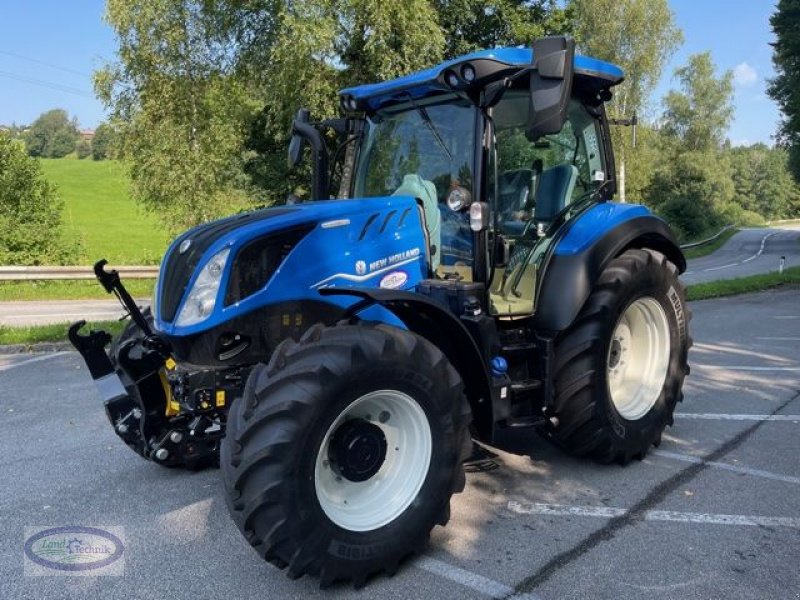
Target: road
{"points": [[748, 252], [713, 513], [42, 312]]}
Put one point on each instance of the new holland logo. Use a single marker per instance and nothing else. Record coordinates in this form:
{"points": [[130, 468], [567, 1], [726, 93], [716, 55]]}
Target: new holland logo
{"points": [[361, 267]]}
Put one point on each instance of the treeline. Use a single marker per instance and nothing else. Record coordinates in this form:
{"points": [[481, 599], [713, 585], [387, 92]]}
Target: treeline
{"points": [[55, 135], [687, 170], [204, 93]]}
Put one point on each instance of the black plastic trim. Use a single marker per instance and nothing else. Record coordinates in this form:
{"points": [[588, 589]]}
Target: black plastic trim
{"points": [[568, 280]]}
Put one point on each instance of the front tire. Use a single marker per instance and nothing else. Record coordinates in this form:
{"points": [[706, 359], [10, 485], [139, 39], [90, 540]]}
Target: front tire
{"points": [[619, 368], [345, 450]]}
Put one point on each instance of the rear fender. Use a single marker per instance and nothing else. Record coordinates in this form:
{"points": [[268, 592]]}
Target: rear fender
{"points": [[435, 323], [581, 256]]}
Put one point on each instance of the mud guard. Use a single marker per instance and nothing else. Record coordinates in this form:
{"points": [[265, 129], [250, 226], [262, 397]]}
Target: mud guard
{"points": [[439, 326], [569, 276]]}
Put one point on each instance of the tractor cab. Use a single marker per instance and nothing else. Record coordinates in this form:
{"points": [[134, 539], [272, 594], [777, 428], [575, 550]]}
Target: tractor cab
{"points": [[499, 148]]}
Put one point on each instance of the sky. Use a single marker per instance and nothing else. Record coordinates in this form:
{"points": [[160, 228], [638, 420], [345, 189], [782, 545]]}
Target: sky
{"points": [[49, 49]]}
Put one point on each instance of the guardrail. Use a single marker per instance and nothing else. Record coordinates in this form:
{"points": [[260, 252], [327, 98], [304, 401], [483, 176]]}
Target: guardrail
{"points": [[70, 273], [141, 272], [707, 240]]}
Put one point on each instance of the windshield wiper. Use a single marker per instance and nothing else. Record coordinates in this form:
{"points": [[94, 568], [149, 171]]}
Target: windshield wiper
{"points": [[426, 118]]}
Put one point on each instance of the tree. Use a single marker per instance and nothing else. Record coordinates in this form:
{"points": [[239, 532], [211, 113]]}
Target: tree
{"points": [[52, 135], [471, 25], [699, 116], [637, 35], [30, 211], [181, 113], [319, 48], [83, 149], [103, 141], [785, 87], [693, 186], [763, 183]]}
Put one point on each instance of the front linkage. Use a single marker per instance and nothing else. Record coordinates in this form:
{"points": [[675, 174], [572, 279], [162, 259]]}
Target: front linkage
{"points": [[164, 412]]}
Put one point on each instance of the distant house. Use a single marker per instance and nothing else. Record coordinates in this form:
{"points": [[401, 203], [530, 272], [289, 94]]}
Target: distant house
{"points": [[87, 135]]}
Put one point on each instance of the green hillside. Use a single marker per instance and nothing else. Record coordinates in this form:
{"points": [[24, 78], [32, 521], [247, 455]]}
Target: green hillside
{"points": [[99, 211]]}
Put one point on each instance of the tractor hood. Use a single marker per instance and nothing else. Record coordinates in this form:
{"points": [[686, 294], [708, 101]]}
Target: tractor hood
{"points": [[222, 270]]}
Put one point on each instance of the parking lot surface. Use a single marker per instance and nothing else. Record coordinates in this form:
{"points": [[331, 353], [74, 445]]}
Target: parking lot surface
{"points": [[713, 513]]}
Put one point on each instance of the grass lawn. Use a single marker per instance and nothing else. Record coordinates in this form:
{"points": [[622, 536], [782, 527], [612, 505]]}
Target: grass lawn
{"points": [[51, 333], [99, 211], [69, 290], [742, 285], [707, 249]]}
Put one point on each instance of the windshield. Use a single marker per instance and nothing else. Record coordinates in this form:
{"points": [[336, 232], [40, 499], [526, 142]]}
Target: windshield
{"points": [[425, 151], [438, 149]]}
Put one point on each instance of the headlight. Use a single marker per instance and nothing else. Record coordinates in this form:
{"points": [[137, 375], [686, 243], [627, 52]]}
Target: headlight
{"points": [[203, 296]]}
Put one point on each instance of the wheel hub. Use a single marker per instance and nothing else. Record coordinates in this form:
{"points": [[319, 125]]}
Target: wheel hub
{"points": [[638, 358], [358, 449]]}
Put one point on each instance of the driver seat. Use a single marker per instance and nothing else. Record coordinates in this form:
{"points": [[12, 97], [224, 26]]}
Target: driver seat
{"points": [[425, 191], [554, 192]]}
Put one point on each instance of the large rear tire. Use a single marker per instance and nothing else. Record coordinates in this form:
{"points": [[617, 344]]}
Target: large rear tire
{"points": [[345, 450], [619, 368]]}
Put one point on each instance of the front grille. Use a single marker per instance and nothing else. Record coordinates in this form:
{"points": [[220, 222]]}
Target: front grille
{"points": [[256, 262], [177, 268]]}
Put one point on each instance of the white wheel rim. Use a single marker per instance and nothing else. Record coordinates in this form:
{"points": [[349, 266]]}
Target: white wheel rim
{"points": [[638, 358], [370, 504]]}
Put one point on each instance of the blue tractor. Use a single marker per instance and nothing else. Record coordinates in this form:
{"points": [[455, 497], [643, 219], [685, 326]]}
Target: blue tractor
{"points": [[337, 357]]}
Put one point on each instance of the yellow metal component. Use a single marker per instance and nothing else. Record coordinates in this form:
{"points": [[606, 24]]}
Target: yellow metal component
{"points": [[286, 320], [172, 408], [170, 364], [220, 398], [298, 319]]}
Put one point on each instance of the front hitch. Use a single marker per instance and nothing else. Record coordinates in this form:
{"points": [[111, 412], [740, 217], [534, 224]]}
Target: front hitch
{"points": [[92, 348]]}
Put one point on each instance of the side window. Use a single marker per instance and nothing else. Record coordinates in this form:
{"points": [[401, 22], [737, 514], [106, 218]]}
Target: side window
{"points": [[522, 164], [536, 180]]}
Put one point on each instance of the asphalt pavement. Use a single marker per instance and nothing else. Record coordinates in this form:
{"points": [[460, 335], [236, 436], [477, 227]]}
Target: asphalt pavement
{"points": [[713, 513], [748, 252]]}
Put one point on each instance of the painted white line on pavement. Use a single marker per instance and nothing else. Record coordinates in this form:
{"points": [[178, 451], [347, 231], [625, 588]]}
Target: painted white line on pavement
{"points": [[744, 368], [721, 267], [31, 360], [787, 317], [479, 583], [728, 417], [535, 508], [727, 467], [746, 260], [780, 339]]}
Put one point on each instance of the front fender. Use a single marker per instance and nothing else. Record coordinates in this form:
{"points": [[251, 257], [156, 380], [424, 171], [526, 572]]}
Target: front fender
{"points": [[592, 241], [430, 320]]}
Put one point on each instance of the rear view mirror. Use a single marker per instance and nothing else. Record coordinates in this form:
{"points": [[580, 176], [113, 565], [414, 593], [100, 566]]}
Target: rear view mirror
{"points": [[550, 85], [298, 142]]}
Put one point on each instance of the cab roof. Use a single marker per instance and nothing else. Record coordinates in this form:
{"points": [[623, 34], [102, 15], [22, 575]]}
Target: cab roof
{"points": [[596, 73]]}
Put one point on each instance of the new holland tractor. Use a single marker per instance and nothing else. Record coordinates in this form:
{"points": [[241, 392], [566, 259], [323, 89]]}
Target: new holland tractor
{"points": [[337, 357]]}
